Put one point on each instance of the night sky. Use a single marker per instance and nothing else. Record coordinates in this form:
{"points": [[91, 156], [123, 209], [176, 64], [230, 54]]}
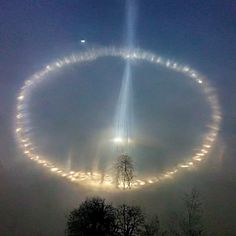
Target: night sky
{"points": [[76, 107]]}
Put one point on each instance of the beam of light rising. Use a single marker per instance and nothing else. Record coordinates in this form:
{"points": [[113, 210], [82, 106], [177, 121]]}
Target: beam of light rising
{"points": [[131, 11], [29, 147], [124, 106], [122, 119]]}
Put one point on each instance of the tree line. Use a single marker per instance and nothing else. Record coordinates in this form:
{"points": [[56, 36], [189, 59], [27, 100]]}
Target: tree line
{"points": [[96, 217]]}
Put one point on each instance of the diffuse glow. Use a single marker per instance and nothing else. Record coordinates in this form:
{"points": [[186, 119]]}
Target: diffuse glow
{"points": [[27, 145]]}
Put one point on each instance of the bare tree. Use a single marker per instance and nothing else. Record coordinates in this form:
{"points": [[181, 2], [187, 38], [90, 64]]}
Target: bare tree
{"points": [[95, 217], [152, 227], [130, 220], [190, 224], [124, 171]]}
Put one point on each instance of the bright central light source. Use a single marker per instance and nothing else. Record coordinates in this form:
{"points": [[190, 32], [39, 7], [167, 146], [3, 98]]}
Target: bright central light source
{"points": [[118, 140]]}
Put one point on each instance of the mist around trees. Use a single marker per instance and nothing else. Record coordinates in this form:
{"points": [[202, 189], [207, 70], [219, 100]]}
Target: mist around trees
{"points": [[95, 216], [124, 170]]}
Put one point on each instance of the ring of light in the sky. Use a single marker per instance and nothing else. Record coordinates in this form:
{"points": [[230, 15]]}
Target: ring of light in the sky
{"points": [[27, 145]]}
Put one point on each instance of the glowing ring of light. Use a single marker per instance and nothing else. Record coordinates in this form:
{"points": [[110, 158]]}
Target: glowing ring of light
{"points": [[28, 147]]}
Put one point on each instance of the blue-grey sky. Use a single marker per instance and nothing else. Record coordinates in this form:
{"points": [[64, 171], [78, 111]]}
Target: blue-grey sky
{"points": [[34, 33]]}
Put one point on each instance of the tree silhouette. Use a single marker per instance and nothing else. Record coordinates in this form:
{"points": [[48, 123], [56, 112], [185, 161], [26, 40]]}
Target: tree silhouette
{"points": [[124, 171], [130, 220], [190, 224], [152, 227], [93, 217]]}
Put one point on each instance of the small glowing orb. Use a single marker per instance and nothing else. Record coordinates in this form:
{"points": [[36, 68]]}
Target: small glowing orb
{"points": [[21, 97], [83, 41], [118, 140]]}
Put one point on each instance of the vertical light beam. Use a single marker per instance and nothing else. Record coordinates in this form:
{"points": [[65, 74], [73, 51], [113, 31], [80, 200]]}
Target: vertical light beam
{"points": [[124, 106], [131, 11]]}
